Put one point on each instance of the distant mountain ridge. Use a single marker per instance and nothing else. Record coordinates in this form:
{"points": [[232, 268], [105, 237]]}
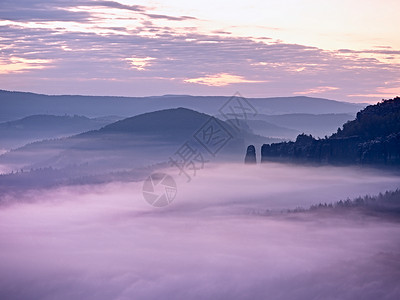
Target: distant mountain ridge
{"points": [[16, 105], [373, 137], [265, 128], [290, 125], [37, 127], [316, 124]]}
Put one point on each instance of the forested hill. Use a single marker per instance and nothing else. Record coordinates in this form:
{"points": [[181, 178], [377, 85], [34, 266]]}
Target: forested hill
{"points": [[373, 137], [375, 121]]}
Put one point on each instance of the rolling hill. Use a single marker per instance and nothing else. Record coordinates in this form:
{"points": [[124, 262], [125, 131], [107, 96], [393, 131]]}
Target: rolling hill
{"points": [[14, 134], [132, 142]]}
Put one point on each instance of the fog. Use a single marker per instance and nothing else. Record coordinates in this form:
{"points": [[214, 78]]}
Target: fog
{"points": [[107, 242]]}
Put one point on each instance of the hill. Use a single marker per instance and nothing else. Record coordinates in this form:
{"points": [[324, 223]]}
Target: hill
{"points": [[375, 121], [17, 133], [373, 138], [174, 123], [133, 142]]}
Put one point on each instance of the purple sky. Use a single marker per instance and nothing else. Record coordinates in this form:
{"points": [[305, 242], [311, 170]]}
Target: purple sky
{"points": [[152, 48]]}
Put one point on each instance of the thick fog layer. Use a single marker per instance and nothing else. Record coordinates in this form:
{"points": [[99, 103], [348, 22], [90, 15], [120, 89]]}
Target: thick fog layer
{"points": [[107, 242], [276, 186]]}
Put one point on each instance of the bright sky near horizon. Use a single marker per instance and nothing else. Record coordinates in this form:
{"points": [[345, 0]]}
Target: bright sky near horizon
{"points": [[343, 50]]}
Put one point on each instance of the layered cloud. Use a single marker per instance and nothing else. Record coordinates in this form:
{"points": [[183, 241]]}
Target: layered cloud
{"points": [[19, 64], [317, 90], [140, 63], [104, 47], [220, 79]]}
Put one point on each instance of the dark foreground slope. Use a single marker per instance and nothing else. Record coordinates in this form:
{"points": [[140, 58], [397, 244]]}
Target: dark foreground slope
{"points": [[372, 138]]}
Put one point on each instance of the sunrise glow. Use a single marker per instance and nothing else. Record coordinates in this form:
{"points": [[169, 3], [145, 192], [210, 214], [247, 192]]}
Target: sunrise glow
{"points": [[343, 50]]}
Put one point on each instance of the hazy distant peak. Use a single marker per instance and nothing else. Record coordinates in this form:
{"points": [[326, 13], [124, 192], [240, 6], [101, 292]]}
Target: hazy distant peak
{"points": [[172, 95], [52, 117], [16, 105]]}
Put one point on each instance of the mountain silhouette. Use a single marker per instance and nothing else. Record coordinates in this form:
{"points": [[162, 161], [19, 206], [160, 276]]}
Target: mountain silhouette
{"points": [[16, 105], [171, 123], [372, 138], [263, 128], [136, 141], [17, 133]]}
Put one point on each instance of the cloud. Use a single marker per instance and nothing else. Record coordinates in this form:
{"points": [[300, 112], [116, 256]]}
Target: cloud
{"points": [[382, 92], [43, 10], [18, 64], [76, 11], [91, 42], [220, 79], [317, 90], [110, 4], [170, 18], [387, 50], [262, 66], [140, 63]]}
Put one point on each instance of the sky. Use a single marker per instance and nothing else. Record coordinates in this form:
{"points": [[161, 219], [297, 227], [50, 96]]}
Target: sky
{"points": [[342, 50]]}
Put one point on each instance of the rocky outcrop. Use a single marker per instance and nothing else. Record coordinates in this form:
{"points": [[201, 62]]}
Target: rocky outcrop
{"points": [[250, 155], [372, 138]]}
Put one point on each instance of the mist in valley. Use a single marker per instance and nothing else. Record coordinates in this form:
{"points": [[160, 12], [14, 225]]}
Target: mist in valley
{"points": [[226, 235]]}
